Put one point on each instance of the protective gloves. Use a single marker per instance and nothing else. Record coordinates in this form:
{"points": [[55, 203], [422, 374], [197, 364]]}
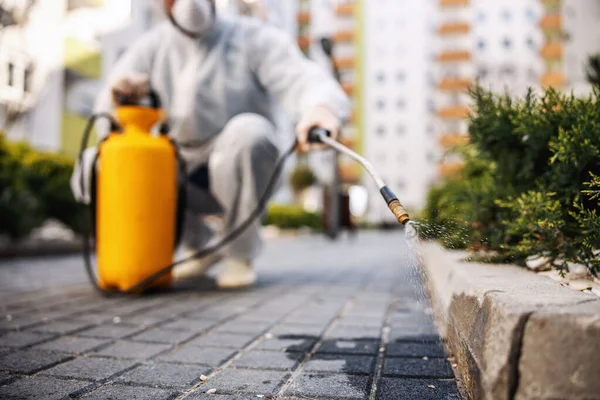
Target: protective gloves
{"points": [[320, 117], [83, 195], [134, 86]]}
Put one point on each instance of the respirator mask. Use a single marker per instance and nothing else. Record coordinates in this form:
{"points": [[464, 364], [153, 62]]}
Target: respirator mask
{"points": [[194, 18]]}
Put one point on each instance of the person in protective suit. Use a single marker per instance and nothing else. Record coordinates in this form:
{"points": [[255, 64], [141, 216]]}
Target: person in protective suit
{"points": [[217, 78]]}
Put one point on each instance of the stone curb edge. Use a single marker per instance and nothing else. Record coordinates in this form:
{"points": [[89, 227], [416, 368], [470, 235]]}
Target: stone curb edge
{"points": [[515, 334]]}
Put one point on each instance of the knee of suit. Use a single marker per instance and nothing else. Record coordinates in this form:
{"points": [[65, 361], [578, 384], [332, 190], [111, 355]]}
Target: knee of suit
{"points": [[253, 134]]}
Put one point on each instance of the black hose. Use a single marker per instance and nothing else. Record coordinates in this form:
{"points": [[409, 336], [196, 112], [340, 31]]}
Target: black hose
{"points": [[147, 282]]}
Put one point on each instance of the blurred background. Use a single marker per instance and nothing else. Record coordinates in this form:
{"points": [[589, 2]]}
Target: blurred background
{"points": [[406, 64]]}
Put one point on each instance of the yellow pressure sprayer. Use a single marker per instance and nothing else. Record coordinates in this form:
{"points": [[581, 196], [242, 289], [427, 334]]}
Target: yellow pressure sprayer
{"points": [[138, 200]]}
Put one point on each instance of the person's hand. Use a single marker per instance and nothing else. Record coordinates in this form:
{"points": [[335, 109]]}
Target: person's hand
{"points": [[318, 117], [134, 87]]}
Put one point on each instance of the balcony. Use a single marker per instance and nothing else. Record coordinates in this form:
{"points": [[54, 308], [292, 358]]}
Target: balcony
{"points": [[343, 37], [344, 10], [551, 22], [454, 56], [452, 29], [453, 140], [553, 79], [304, 18], [454, 85], [552, 51], [304, 42], [348, 88], [453, 112], [454, 3], [345, 63], [450, 168], [349, 173]]}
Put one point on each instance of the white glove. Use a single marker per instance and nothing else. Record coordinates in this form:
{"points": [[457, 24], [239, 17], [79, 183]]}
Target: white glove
{"points": [[83, 196], [320, 117], [135, 86]]}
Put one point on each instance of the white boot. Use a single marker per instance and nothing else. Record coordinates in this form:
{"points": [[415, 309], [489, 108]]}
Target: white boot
{"points": [[195, 268], [236, 274]]}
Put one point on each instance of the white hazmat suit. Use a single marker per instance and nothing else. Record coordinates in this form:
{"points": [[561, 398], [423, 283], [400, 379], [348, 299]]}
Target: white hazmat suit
{"points": [[218, 92]]}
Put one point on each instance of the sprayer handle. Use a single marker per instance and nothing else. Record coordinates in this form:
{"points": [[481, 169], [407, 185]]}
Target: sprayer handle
{"points": [[152, 95], [315, 133]]}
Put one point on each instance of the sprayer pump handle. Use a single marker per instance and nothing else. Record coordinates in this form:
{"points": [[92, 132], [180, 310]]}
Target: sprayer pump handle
{"points": [[152, 96], [315, 133]]}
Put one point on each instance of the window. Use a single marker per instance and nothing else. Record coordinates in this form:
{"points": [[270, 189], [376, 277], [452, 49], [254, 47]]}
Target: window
{"points": [[401, 104], [532, 75], [401, 76], [530, 15], [401, 184], [480, 16], [481, 45], [508, 72], [482, 73], [507, 43], [381, 131], [380, 105], [506, 15], [401, 130], [531, 44]]}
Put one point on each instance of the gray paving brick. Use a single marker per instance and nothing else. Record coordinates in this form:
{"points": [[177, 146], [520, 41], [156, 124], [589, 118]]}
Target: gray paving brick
{"points": [[293, 345], [417, 367], [220, 339], [259, 359], [6, 378], [192, 325], [167, 336], [205, 396], [246, 381], [343, 363], [330, 386], [417, 389], [309, 319], [62, 327], [132, 350], [215, 314], [333, 346], [73, 344], [31, 361], [39, 387], [243, 327], [121, 392], [143, 319], [415, 334], [165, 375], [407, 349], [23, 339], [354, 333], [95, 318], [90, 368], [298, 331], [212, 356], [111, 331], [19, 322]]}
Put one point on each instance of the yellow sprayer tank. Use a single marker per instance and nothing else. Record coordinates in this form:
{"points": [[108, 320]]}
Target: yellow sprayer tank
{"points": [[136, 201]]}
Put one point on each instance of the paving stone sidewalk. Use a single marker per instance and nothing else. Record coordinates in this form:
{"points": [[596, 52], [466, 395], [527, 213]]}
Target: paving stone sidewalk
{"points": [[342, 320]]}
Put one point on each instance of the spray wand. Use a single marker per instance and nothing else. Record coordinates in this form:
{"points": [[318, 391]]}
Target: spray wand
{"points": [[318, 135]]}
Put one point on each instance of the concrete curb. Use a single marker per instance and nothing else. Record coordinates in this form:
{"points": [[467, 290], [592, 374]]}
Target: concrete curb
{"points": [[515, 334]]}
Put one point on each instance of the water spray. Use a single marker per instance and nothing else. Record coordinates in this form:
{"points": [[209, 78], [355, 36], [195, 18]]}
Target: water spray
{"points": [[318, 135]]}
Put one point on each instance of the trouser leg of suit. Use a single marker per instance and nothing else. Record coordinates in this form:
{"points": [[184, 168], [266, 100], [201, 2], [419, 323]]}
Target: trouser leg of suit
{"points": [[240, 164]]}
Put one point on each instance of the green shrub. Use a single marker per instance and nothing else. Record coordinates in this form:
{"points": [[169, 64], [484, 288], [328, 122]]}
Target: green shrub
{"points": [[34, 187], [302, 178], [291, 217], [525, 188], [20, 210]]}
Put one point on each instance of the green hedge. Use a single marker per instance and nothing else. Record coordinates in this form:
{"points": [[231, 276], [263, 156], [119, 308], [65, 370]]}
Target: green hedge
{"points": [[291, 217], [530, 181], [34, 187]]}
